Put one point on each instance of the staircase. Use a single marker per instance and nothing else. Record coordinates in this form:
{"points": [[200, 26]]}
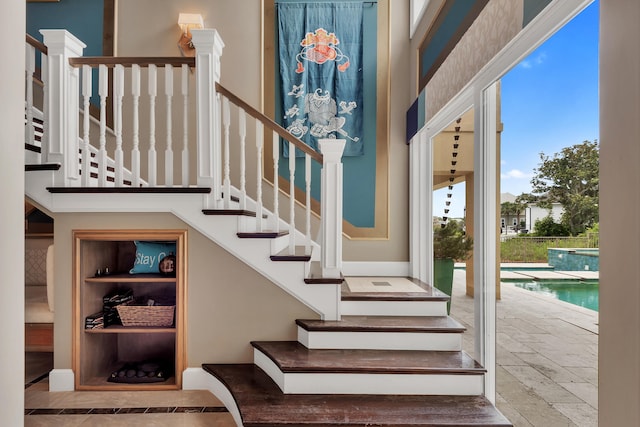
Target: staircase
{"points": [[372, 358], [370, 369]]}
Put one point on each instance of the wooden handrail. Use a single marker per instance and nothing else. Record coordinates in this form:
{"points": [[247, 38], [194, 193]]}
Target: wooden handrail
{"points": [[270, 124], [37, 44], [128, 61]]}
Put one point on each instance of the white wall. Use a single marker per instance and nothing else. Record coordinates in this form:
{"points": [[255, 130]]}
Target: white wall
{"points": [[12, 30], [619, 341]]}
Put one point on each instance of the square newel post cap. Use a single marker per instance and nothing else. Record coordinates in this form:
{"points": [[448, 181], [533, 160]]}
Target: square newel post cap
{"points": [[207, 39], [57, 40], [332, 149]]}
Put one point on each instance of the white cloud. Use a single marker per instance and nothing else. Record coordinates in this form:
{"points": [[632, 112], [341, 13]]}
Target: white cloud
{"points": [[531, 62], [515, 174]]}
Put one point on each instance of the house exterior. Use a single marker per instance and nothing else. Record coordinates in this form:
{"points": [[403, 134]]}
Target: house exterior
{"points": [[237, 318], [529, 215]]}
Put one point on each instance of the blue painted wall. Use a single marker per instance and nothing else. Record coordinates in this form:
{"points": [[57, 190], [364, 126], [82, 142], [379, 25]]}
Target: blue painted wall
{"points": [[83, 18]]}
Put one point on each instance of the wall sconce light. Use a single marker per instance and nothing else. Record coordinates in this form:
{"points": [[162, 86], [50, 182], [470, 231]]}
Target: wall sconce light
{"points": [[187, 22]]}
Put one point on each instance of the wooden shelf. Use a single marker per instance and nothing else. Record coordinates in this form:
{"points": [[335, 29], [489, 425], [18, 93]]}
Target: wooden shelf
{"points": [[118, 329], [131, 278], [99, 352]]}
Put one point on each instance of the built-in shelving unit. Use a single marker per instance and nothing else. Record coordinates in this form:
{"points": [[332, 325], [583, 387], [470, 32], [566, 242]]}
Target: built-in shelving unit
{"points": [[100, 352]]}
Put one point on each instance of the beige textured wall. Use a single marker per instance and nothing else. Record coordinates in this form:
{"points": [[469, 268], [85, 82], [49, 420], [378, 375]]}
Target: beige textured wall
{"points": [[150, 28], [396, 247], [497, 24], [228, 304], [619, 341]]}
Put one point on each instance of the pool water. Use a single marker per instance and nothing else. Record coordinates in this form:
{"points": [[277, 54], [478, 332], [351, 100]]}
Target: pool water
{"points": [[583, 294]]}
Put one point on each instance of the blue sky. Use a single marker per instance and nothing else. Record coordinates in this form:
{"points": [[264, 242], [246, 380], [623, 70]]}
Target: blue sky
{"points": [[549, 101]]}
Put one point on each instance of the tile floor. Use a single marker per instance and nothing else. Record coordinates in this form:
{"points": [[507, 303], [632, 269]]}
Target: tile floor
{"points": [[547, 374], [547, 356]]}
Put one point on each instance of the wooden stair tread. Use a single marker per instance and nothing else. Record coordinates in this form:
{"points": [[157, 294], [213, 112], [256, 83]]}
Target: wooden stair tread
{"points": [[298, 255], [293, 357], [42, 167], [131, 190], [261, 403], [32, 147], [428, 293], [262, 234], [315, 276], [242, 212], [437, 324]]}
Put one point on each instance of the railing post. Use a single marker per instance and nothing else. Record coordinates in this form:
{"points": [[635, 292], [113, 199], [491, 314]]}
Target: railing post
{"points": [[209, 45], [331, 211], [63, 103]]}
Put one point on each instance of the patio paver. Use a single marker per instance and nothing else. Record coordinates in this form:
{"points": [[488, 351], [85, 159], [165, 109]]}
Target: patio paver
{"points": [[547, 356]]}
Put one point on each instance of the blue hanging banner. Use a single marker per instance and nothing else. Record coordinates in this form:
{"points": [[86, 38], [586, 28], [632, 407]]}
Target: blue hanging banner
{"points": [[321, 72]]}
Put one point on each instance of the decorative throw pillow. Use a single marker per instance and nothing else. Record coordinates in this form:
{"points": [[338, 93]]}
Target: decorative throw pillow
{"points": [[149, 255]]}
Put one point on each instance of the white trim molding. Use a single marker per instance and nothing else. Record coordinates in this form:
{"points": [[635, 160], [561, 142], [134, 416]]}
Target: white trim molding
{"points": [[199, 379], [61, 380]]}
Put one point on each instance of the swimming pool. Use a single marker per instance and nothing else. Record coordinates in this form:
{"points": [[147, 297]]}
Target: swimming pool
{"points": [[580, 293]]}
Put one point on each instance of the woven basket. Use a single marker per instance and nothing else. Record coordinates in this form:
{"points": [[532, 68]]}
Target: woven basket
{"points": [[143, 315]]}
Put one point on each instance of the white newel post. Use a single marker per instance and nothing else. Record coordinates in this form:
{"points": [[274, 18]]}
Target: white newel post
{"points": [[209, 45], [63, 104], [331, 210]]}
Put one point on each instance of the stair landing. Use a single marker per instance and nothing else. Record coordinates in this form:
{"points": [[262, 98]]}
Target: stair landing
{"points": [[261, 403]]}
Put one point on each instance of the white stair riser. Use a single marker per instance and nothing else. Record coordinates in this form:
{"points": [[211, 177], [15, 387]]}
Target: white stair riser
{"points": [[347, 383], [380, 340], [394, 308]]}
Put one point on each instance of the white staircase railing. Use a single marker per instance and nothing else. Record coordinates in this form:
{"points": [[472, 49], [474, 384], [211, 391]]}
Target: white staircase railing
{"points": [[224, 168], [34, 117]]}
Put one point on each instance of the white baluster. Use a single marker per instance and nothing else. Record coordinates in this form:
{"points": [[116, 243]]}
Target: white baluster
{"points": [[86, 96], [307, 181], [103, 85], [276, 176], [168, 156], [259, 148], [118, 89], [30, 68], [292, 199], [226, 122], [243, 172], [135, 151], [185, 124], [152, 155]]}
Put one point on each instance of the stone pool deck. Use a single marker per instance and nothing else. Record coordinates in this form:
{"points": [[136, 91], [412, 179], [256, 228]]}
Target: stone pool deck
{"points": [[547, 356], [524, 271]]}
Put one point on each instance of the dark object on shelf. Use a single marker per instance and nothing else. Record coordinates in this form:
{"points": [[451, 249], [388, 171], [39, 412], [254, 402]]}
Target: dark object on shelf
{"points": [[94, 321], [142, 372], [118, 297], [167, 265], [111, 301]]}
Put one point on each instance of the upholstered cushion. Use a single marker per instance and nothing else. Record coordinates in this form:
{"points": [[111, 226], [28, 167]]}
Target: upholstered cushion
{"points": [[35, 266], [149, 255], [50, 277], [36, 307]]}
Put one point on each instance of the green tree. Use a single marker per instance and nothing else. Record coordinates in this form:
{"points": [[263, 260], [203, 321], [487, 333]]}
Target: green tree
{"points": [[509, 209], [549, 228], [570, 178]]}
